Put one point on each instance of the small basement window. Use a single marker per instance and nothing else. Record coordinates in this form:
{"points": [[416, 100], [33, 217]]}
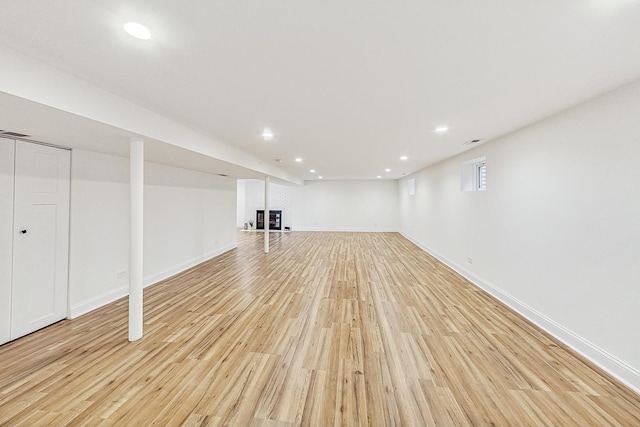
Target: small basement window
{"points": [[473, 176], [481, 175]]}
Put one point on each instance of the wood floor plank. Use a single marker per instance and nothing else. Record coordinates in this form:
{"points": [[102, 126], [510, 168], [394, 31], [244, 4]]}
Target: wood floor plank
{"points": [[327, 329]]}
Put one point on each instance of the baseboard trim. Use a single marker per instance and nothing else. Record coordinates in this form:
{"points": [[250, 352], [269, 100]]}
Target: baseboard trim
{"points": [[114, 295], [97, 302], [604, 360], [158, 277]]}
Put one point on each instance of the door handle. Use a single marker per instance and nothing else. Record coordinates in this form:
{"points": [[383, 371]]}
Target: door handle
{"points": [[23, 231]]}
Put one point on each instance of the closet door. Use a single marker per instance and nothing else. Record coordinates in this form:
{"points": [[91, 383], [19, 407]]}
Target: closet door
{"points": [[40, 236], [7, 147]]}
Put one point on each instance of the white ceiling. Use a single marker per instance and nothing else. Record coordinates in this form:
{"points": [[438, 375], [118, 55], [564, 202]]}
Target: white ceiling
{"points": [[56, 127], [349, 86]]}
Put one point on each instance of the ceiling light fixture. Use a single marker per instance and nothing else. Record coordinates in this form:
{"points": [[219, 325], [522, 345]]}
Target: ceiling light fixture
{"points": [[298, 159], [441, 129], [403, 158], [137, 30], [267, 135], [387, 170], [312, 170], [320, 177], [378, 177]]}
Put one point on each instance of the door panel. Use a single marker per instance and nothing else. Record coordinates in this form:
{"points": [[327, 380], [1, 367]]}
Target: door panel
{"points": [[41, 237], [40, 243], [7, 147]]}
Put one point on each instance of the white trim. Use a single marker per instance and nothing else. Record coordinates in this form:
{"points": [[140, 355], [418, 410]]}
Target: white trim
{"points": [[606, 361], [114, 295], [478, 174], [148, 281], [98, 301]]}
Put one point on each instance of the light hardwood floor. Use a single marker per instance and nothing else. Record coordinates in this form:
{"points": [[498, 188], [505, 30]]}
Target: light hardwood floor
{"points": [[328, 329]]}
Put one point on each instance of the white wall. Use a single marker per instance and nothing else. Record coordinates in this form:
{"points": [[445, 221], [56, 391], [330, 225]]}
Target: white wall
{"points": [[346, 206], [280, 198], [557, 232], [189, 217]]}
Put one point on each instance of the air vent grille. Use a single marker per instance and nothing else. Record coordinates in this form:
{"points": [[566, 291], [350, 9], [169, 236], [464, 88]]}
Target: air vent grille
{"points": [[471, 142], [14, 134]]}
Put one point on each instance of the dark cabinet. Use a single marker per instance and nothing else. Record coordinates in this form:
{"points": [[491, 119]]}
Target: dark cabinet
{"points": [[275, 220]]}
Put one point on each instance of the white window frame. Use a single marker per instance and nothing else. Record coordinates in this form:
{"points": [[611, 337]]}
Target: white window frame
{"points": [[480, 183], [470, 175]]}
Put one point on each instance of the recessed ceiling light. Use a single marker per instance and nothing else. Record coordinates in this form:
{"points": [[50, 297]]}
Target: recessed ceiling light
{"points": [[267, 135], [387, 170], [137, 30], [312, 170], [378, 177], [298, 159], [441, 129], [403, 158], [320, 177]]}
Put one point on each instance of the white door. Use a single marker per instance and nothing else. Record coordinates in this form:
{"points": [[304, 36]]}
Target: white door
{"points": [[40, 236], [6, 235]]}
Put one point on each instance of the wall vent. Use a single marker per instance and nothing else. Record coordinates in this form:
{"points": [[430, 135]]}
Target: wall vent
{"points": [[14, 134], [471, 142]]}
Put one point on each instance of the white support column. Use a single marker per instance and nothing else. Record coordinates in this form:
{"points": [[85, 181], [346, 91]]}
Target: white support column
{"points": [[266, 214], [136, 184]]}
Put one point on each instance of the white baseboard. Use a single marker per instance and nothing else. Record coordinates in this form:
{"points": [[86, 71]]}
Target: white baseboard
{"points": [[111, 296], [617, 368], [148, 281], [97, 302]]}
